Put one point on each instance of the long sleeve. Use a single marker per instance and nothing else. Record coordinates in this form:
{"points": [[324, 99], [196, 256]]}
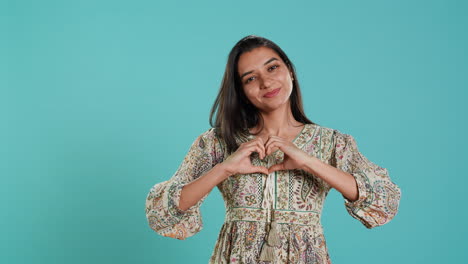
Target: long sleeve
{"points": [[379, 197], [162, 211]]}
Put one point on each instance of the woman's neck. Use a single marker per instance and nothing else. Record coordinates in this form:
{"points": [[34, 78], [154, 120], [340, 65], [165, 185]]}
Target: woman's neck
{"points": [[279, 122]]}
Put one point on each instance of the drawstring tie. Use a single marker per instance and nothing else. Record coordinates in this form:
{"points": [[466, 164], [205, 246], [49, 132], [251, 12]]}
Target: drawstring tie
{"points": [[272, 238]]}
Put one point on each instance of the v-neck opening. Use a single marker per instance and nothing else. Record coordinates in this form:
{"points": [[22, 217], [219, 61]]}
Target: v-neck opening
{"points": [[300, 133], [293, 141]]}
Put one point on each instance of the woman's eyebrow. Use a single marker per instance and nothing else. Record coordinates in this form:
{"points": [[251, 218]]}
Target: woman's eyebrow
{"points": [[268, 61]]}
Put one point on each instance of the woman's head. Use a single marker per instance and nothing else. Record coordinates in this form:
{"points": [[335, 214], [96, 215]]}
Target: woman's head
{"points": [[265, 79], [255, 66]]}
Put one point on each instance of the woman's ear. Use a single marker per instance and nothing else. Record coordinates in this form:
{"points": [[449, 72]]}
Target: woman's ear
{"points": [[291, 72]]}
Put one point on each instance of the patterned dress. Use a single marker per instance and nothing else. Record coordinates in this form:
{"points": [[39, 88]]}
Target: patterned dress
{"points": [[298, 198]]}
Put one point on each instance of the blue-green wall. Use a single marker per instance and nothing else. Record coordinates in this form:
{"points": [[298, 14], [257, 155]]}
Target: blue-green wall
{"points": [[100, 100]]}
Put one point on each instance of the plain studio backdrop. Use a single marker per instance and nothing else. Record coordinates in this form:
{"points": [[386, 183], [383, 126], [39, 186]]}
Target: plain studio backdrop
{"points": [[100, 100]]}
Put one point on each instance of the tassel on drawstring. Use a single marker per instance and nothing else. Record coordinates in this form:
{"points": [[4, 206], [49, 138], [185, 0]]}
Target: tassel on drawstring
{"points": [[272, 238], [271, 241], [268, 253]]}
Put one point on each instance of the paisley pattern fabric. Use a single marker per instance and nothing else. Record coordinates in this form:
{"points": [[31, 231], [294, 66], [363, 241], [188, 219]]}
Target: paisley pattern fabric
{"points": [[298, 199]]}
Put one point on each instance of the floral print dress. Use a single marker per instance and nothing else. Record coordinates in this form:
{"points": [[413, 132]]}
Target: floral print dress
{"points": [[297, 200]]}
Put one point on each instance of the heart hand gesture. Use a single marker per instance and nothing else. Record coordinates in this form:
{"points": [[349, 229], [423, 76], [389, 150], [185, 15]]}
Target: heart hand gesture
{"points": [[294, 158], [239, 162]]}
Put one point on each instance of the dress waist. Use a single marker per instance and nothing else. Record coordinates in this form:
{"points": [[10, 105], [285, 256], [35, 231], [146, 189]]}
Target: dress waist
{"points": [[281, 216]]}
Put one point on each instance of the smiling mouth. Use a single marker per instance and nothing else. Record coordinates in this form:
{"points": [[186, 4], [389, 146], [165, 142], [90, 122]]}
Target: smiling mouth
{"points": [[272, 93]]}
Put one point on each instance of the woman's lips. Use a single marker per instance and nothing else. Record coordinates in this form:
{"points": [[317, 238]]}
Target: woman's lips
{"points": [[272, 93]]}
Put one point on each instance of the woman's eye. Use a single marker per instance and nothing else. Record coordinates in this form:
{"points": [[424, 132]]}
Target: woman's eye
{"points": [[274, 67], [248, 80]]}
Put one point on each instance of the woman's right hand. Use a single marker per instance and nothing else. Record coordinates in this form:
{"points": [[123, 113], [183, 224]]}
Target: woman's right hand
{"points": [[239, 162]]}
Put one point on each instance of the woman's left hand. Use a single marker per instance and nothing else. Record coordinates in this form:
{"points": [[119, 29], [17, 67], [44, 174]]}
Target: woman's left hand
{"points": [[294, 158]]}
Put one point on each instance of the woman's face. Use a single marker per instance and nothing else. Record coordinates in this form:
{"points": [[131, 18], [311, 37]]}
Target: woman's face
{"points": [[262, 71]]}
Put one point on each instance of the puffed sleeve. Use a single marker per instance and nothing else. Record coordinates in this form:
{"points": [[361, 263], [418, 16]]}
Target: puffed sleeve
{"points": [[379, 197], [162, 211]]}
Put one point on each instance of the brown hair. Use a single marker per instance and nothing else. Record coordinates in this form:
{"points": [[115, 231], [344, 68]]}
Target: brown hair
{"points": [[235, 114]]}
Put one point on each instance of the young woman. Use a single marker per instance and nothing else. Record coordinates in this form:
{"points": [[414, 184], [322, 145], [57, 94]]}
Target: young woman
{"points": [[273, 166]]}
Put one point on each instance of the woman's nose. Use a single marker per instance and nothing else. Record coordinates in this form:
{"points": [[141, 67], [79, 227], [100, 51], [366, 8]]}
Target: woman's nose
{"points": [[265, 82]]}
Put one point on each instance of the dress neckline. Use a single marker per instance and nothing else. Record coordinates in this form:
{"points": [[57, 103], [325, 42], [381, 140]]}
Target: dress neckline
{"points": [[250, 136]]}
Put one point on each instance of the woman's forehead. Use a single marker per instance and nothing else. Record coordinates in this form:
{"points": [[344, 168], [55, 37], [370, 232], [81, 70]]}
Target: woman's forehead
{"points": [[256, 58]]}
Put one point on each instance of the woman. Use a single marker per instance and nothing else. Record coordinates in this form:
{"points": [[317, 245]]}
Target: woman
{"points": [[273, 166]]}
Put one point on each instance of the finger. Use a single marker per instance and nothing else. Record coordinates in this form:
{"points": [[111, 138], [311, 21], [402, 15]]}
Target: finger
{"points": [[256, 142], [273, 146], [267, 143], [259, 139], [262, 147], [269, 140], [254, 148], [261, 169], [273, 139], [276, 167]]}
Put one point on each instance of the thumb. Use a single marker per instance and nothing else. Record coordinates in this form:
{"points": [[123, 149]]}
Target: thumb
{"points": [[276, 167], [261, 169]]}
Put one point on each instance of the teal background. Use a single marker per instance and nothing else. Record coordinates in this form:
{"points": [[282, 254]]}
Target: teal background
{"points": [[100, 100]]}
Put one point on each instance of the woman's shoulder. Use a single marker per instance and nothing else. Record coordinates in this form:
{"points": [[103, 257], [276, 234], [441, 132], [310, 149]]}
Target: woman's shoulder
{"points": [[321, 130], [340, 138], [216, 145], [333, 135], [211, 136], [208, 132], [330, 130], [207, 135]]}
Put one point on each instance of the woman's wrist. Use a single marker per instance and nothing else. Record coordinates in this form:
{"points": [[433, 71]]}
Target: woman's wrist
{"points": [[310, 165], [224, 170]]}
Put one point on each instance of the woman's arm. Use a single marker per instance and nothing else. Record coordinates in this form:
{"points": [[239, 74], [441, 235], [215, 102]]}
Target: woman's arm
{"points": [[237, 163], [342, 181], [197, 189], [378, 197], [161, 206]]}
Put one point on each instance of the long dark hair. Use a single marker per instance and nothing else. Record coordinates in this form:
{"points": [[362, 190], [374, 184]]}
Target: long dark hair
{"points": [[235, 114]]}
